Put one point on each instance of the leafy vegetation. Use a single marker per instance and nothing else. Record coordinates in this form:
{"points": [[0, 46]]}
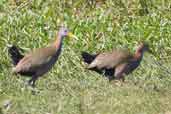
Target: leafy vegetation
{"points": [[100, 25]]}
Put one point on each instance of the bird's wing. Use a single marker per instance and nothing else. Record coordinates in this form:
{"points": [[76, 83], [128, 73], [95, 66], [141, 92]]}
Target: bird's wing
{"points": [[34, 60], [110, 59], [120, 57]]}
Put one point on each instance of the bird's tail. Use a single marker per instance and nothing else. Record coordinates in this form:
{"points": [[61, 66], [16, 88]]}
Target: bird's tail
{"points": [[15, 54], [88, 58]]}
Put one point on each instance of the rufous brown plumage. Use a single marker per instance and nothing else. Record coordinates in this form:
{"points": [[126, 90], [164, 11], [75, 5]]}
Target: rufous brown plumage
{"points": [[38, 62], [115, 64]]}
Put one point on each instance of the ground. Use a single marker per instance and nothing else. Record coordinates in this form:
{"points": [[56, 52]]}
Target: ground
{"points": [[100, 25]]}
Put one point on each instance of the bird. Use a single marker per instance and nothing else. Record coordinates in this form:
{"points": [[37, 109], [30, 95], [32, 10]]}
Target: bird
{"points": [[117, 63], [39, 61]]}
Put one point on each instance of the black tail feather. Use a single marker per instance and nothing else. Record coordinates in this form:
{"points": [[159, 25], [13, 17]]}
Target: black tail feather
{"points": [[15, 55], [88, 58]]}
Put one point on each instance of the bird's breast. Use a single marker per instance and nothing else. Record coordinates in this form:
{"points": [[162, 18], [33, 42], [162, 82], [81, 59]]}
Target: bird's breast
{"points": [[132, 66], [42, 69]]}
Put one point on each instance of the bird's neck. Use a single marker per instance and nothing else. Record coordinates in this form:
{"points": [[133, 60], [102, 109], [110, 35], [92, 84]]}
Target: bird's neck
{"points": [[58, 42], [138, 55]]}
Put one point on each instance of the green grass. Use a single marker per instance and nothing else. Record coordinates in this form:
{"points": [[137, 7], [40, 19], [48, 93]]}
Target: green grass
{"points": [[100, 26]]}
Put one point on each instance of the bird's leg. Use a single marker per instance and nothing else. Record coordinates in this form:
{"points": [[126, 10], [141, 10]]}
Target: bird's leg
{"points": [[32, 81], [32, 84], [119, 76], [122, 78]]}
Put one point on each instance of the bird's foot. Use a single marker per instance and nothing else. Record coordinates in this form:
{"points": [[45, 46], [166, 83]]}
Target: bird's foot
{"points": [[116, 82], [32, 88], [27, 83], [34, 91]]}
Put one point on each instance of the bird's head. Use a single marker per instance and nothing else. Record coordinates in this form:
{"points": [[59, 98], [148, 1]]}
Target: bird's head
{"points": [[64, 32]]}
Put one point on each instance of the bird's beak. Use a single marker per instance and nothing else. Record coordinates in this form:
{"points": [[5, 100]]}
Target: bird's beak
{"points": [[72, 35]]}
